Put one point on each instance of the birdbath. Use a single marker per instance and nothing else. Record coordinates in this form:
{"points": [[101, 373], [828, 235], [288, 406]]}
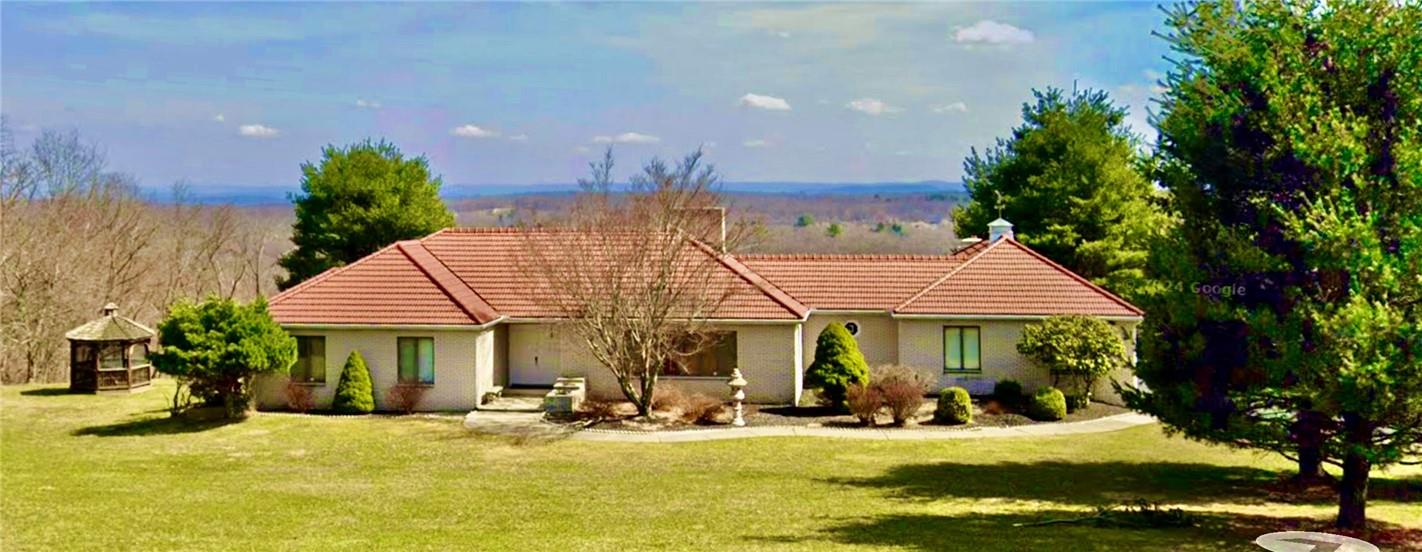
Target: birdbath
{"points": [[738, 394]]}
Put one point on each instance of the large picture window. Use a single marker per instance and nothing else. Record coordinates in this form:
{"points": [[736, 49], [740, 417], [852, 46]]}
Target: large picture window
{"points": [[713, 355], [417, 360], [962, 349], [310, 364]]}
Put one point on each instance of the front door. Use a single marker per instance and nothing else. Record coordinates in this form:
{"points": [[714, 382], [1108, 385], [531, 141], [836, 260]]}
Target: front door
{"points": [[535, 357]]}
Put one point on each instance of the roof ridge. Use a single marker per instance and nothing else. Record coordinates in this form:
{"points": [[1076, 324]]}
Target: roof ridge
{"points": [[471, 303], [844, 256], [945, 277], [324, 275], [1077, 277], [789, 302]]}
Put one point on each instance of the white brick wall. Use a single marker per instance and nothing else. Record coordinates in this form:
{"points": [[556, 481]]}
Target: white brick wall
{"points": [[878, 336], [456, 387]]}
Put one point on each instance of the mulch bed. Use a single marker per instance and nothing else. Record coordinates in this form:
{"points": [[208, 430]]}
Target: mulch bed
{"points": [[817, 416]]}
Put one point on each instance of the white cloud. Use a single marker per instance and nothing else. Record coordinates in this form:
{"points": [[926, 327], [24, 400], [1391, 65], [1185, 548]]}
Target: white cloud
{"points": [[757, 143], [519, 138], [219, 118], [627, 138], [257, 131], [582, 149], [955, 107], [988, 31], [472, 131], [782, 34], [367, 104], [770, 103], [871, 106]]}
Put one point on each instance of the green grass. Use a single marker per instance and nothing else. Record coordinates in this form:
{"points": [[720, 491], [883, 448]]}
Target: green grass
{"points": [[104, 472]]}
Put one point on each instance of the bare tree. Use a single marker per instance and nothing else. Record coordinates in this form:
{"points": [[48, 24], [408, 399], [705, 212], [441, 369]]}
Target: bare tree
{"points": [[74, 236], [638, 275]]}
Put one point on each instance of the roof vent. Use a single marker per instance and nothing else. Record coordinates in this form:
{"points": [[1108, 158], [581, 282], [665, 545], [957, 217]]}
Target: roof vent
{"points": [[999, 228]]}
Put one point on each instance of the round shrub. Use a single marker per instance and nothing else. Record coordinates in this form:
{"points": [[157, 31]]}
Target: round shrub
{"points": [[1008, 392], [354, 394], [1047, 405], [954, 406]]}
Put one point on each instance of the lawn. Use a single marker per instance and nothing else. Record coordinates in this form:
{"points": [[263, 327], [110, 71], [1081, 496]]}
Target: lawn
{"points": [[106, 472]]}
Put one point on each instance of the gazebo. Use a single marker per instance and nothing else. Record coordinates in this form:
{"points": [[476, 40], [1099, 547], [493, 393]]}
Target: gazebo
{"points": [[109, 353]]}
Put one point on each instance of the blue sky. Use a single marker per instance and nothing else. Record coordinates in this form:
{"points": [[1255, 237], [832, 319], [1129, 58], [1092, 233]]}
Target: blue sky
{"points": [[529, 93]]}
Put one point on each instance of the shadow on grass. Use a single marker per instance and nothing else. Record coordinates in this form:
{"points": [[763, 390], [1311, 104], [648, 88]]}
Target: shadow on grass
{"points": [[1073, 483], [153, 426], [50, 392], [1213, 531]]}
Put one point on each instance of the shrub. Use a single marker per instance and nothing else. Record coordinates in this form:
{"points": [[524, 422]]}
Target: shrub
{"points": [[864, 402], [903, 391], [1048, 404], [405, 397], [1077, 349], [354, 394], [1077, 402], [666, 398], [954, 406], [218, 346], [1008, 392], [598, 410], [702, 409], [298, 397], [838, 365]]}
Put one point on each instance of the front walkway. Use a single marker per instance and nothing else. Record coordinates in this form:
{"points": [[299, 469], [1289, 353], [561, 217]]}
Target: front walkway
{"points": [[526, 425]]}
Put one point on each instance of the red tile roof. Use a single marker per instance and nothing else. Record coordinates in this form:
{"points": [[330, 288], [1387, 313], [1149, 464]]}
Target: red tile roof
{"points": [[472, 276], [1007, 278]]}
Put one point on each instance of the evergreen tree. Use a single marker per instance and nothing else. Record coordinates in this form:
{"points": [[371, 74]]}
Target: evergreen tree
{"points": [[217, 347], [838, 364], [1289, 138], [359, 199], [1070, 181], [354, 393]]}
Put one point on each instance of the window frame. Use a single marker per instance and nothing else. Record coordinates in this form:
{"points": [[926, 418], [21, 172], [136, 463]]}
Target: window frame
{"points": [[723, 336], [858, 328], [418, 379], [962, 350], [309, 380]]}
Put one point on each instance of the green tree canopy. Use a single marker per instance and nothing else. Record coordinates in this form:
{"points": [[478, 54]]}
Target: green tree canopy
{"points": [[1290, 140], [360, 198], [1080, 349], [217, 346], [1070, 181], [838, 364]]}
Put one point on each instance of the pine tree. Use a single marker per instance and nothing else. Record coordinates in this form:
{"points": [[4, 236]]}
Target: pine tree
{"points": [[354, 393]]}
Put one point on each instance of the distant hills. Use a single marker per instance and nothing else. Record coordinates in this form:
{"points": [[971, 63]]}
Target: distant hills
{"points": [[267, 194]]}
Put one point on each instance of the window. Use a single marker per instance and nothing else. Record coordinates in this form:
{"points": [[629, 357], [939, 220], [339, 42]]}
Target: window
{"points": [[712, 355], [853, 328], [310, 364], [138, 354], [111, 356], [962, 349], [417, 360]]}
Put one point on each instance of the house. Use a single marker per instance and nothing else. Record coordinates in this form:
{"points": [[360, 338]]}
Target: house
{"points": [[453, 311]]}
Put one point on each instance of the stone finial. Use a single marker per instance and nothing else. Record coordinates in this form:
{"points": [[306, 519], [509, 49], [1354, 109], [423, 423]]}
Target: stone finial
{"points": [[109, 309]]}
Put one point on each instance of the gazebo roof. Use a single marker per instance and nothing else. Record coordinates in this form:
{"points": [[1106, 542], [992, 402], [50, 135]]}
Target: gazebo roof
{"points": [[110, 327]]}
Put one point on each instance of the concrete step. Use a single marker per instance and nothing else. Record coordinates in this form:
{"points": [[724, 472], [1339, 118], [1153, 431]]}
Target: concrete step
{"points": [[514, 404], [527, 390]]}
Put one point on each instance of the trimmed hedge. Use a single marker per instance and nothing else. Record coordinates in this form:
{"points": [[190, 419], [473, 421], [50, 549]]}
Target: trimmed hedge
{"points": [[1048, 404], [1008, 392], [354, 393], [954, 406]]}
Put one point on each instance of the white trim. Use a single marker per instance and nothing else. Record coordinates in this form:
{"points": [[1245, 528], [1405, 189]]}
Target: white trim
{"points": [[1008, 317], [304, 326], [850, 311], [713, 321]]}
